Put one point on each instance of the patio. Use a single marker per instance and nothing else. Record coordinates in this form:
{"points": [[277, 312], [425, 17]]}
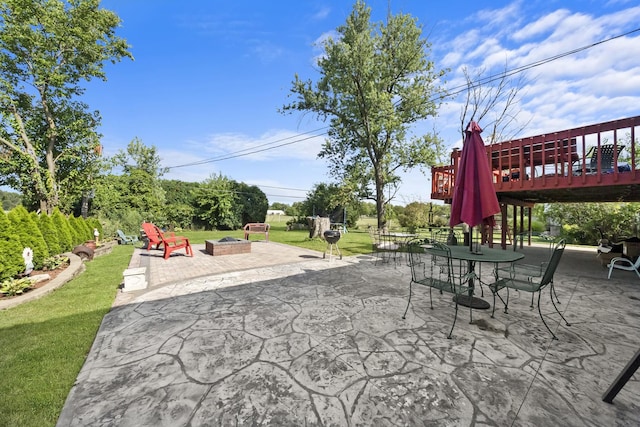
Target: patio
{"points": [[282, 337]]}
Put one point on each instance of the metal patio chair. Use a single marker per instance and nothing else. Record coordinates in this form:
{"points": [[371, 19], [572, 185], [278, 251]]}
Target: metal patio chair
{"points": [[435, 270], [527, 278], [383, 246]]}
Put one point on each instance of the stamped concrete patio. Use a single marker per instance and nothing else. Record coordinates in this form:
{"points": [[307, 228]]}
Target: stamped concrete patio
{"points": [[283, 337]]}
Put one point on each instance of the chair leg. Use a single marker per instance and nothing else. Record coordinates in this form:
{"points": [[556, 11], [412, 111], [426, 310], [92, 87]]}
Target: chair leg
{"points": [[455, 317], [542, 317], [408, 302], [531, 306], [553, 288], [503, 302], [493, 308], [551, 292], [610, 270], [506, 304]]}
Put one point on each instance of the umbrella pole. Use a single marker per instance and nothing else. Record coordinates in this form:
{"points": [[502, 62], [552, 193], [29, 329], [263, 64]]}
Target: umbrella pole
{"points": [[471, 240]]}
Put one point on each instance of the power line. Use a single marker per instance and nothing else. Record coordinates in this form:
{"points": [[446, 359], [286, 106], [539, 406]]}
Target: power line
{"points": [[461, 88], [456, 91], [281, 188], [252, 150]]}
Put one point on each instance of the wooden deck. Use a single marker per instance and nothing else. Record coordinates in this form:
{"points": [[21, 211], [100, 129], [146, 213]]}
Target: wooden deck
{"points": [[595, 163]]}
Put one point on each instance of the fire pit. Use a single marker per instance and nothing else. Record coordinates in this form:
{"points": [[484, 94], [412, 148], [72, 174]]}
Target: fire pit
{"points": [[227, 246], [332, 237]]}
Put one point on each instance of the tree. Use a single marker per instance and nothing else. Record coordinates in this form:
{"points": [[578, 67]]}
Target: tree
{"points": [[179, 208], [10, 199], [141, 172], [61, 225], [251, 203], [137, 193], [48, 137], [45, 223], [279, 206], [415, 215], [495, 97], [29, 234], [215, 200], [375, 82], [583, 223], [321, 200], [11, 261]]}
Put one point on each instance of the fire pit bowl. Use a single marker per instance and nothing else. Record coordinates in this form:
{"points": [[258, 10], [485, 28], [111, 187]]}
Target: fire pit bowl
{"points": [[332, 236]]}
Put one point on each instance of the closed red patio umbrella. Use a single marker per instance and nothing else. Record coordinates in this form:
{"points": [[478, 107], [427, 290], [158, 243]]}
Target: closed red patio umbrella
{"points": [[474, 196]]}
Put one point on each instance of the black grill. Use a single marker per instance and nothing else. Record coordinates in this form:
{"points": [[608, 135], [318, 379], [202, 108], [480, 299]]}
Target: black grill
{"points": [[332, 236]]}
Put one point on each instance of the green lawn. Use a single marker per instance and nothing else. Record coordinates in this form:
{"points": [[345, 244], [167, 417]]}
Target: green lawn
{"points": [[44, 343], [352, 243]]}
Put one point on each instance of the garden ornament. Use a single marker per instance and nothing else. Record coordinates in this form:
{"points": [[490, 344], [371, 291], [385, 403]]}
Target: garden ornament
{"points": [[27, 255]]}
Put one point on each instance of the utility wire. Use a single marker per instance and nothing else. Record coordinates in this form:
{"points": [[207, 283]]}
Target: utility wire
{"points": [[461, 88], [252, 150], [456, 91]]}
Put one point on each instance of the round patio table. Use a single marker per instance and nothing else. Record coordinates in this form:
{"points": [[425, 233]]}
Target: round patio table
{"points": [[495, 256]]}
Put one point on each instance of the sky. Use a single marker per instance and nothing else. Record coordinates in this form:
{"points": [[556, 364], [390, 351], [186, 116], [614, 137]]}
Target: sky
{"points": [[209, 77]]}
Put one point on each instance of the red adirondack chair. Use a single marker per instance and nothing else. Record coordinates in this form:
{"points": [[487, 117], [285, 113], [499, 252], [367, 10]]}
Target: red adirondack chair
{"points": [[171, 242]]}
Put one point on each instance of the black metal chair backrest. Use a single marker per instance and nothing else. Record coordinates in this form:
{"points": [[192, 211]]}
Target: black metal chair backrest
{"points": [[606, 158], [558, 250]]}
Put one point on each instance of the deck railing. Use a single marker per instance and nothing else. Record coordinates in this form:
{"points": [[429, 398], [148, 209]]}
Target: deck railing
{"points": [[599, 154]]}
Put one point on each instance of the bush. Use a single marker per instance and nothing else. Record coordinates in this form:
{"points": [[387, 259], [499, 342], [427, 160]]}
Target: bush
{"points": [[29, 234], [61, 226], [12, 287], [47, 228], [55, 262], [11, 262]]}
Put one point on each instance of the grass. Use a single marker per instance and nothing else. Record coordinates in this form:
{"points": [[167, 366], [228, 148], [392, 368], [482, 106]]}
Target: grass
{"points": [[45, 342], [352, 243]]}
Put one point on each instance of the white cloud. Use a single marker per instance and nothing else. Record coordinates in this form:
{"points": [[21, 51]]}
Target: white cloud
{"points": [[322, 13], [266, 51], [598, 84], [541, 26]]}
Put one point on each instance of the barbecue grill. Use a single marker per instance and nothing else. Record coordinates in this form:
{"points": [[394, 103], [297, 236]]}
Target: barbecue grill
{"points": [[332, 237]]}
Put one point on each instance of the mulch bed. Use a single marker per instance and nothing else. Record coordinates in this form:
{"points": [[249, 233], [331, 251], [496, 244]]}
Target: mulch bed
{"points": [[52, 275]]}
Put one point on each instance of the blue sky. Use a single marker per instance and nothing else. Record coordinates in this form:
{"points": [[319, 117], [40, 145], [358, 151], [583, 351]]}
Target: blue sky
{"points": [[209, 77]]}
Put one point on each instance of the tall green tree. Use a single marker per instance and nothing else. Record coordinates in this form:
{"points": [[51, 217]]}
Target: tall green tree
{"points": [[251, 203], [29, 234], [11, 261], [61, 225], [48, 138], [137, 189], [215, 203], [179, 209], [45, 223], [375, 82]]}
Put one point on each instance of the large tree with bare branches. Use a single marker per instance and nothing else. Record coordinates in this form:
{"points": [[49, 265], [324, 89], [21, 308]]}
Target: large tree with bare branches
{"points": [[493, 101]]}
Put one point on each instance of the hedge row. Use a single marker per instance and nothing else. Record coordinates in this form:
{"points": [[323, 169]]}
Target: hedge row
{"points": [[46, 235]]}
